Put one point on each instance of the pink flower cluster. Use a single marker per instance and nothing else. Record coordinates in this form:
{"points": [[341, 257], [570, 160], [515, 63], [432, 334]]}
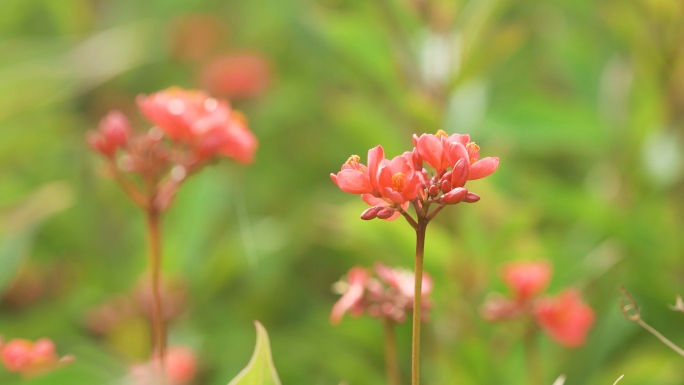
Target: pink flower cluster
{"points": [[30, 358], [191, 129], [388, 185], [205, 126], [564, 318], [389, 296]]}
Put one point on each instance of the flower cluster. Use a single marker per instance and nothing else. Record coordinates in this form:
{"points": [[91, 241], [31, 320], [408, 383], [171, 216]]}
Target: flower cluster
{"points": [[388, 185], [180, 368], [30, 358], [389, 296], [565, 318], [108, 317], [191, 129]]}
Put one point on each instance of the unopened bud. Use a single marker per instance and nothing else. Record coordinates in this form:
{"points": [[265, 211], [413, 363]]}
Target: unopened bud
{"points": [[471, 198], [459, 173], [447, 175], [369, 214], [385, 213], [433, 191], [417, 160], [115, 128], [454, 196], [446, 186]]}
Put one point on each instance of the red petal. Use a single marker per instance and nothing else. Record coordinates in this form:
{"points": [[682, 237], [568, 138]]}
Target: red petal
{"points": [[431, 150], [353, 181], [482, 168]]}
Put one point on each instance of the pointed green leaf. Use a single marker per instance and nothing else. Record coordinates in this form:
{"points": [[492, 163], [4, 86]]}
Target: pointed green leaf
{"points": [[260, 370]]}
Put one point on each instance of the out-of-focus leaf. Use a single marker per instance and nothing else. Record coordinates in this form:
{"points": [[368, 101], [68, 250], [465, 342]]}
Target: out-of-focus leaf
{"points": [[20, 226], [260, 370]]}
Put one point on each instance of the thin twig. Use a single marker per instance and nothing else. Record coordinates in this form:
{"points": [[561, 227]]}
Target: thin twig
{"points": [[631, 312]]}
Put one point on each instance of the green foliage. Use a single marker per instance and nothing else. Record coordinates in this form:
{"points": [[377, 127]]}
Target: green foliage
{"points": [[260, 369], [581, 100]]}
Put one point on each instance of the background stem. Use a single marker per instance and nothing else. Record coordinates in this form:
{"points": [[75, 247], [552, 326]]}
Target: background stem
{"points": [[532, 358], [154, 243], [417, 297], [391, 367]]}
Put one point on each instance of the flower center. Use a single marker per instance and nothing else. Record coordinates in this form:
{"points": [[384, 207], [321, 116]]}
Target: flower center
{"points": [[353, 162], [473, 152], [398, 182], [441, 133]]}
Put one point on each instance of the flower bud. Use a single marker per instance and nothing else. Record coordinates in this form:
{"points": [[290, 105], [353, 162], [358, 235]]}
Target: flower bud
{"points": [[433, 191], [471, 198], [454, 196], [370, 213], [385, 213], [446, 186], [447, 175], [459, 174]]}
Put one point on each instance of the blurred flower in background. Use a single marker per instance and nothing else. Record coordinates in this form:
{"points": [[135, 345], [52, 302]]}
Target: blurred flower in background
{"points": [[239, 75], [30, 358], [564, 318], [389, 296]]}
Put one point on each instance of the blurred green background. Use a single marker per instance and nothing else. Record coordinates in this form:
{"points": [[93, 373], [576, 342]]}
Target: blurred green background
{"points": [[582, 100]]}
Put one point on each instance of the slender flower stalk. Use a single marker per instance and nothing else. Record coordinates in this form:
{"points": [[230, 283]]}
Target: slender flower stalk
{"points": [[532, 359], [391, 367], [155, 256], [415, 341], [191, 131], [390, 186]]}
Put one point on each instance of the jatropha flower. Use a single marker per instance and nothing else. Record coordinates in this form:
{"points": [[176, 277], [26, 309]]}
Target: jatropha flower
{"points": [[564, 318], [387, 296], [30, 358], [191, 129], [389, 185], [180, 368]]}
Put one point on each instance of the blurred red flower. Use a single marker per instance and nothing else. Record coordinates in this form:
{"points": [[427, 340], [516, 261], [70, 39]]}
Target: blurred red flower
{"points": [[565, 318], [31, 358], [526, 279], [236, 76], [206, 124]]}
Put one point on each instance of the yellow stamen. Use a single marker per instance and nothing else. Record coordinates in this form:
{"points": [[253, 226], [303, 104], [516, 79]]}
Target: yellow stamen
{"points": [[441, 133], [398, 182], [353, 159], [353, 162]]}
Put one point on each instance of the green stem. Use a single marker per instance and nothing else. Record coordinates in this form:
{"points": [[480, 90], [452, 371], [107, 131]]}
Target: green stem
{"points": [[154, 243], [417, 297], [532, 358], [391, 367]]}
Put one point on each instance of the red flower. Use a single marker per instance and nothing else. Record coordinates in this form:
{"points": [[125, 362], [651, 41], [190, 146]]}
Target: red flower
{"points": [[180, 367], [208, 125], [181, 364], [397, 180], [113, 133], [442, 151], [565, 318], [353, 295], [403, 280], [30, 358], [384, 184], [356, 178], [526, 279], [240, 75]]}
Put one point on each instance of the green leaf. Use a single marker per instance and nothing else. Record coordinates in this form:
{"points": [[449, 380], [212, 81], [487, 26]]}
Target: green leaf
{"points": [[18, 228], [260, 370]]}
